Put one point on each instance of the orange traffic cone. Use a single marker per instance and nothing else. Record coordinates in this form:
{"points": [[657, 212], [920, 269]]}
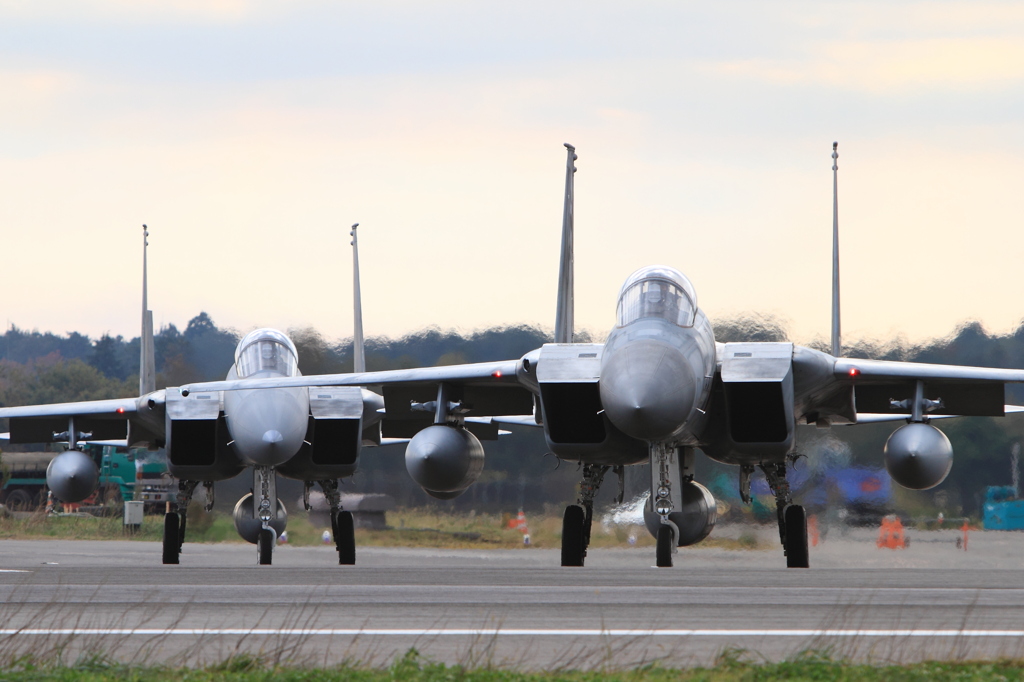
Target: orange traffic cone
{"points": [[891, 534]]}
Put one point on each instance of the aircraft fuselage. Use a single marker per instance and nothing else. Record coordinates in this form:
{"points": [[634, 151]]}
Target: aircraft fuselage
{"points": [[656, 379], [267, 426]]}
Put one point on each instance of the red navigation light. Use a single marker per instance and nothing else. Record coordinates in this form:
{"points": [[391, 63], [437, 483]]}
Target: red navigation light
{"points": [[120, 410], [854, 372], [496, 374]]}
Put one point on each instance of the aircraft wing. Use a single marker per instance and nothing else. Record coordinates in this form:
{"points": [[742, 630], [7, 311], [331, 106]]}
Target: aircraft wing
{"points": [[964, 391], [115, 408], [870, 418], [484, 389], [100, 419], [882, 371], [479, 373]]}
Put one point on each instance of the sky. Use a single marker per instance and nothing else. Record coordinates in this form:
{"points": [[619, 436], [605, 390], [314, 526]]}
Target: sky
{"points": [[249, 135]]}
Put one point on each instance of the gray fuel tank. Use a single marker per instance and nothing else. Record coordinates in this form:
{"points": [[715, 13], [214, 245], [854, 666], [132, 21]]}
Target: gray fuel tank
{"points": [[444, 459]]}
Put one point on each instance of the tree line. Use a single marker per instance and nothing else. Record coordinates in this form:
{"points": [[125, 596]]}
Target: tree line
{"points": [[43, 367]]}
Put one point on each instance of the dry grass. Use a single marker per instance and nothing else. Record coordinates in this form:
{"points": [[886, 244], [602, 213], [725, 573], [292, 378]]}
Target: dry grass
{"points": [[417, 527]]}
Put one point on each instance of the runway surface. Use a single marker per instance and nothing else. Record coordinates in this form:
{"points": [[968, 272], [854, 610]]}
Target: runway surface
{"points": [[514, 607]]}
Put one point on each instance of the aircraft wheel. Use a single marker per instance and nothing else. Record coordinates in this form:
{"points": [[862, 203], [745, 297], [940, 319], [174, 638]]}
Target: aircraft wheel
{"points": [[265, 546], [572, 535], [345, 538], [172, 546], [797, 555], [664, 551]]}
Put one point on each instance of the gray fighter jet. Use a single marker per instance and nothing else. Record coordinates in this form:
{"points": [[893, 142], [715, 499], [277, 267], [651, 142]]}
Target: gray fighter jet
{"points": [[657, 391], [313, 436]]}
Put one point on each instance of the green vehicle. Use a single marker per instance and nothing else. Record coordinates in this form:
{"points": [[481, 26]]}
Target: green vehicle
{"points": [[125, 474]]}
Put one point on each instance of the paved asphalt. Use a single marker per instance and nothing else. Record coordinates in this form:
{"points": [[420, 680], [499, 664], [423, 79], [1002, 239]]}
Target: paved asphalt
{"points": [[513, 607]]}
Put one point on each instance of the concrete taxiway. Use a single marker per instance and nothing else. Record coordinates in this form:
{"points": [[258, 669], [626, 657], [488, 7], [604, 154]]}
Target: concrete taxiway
{"points": [[514, 607]]}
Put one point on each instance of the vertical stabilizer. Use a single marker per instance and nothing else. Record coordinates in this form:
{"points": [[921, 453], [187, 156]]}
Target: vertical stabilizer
{"points": [[564, 311], [837, 343], [147, 359], [358, 355]]}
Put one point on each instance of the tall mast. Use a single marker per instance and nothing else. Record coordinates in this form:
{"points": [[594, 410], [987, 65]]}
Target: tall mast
{"points": [[147, 351], [837, 343], [564, 311], [358, 355]]}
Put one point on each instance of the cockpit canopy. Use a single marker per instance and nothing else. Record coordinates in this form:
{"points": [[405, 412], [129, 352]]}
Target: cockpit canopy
{"points": [[657, 291], [266, 350]]}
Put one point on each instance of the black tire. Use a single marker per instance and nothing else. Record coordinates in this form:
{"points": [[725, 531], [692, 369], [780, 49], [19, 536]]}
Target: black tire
{"points": [[265, 546], [664, 551], [572, 536], [172, 547], [797, 555], [345, 538], [19, 500]]}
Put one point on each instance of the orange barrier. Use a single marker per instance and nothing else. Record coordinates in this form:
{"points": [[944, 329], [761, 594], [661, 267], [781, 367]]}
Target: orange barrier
{"points": [[891, 534]]}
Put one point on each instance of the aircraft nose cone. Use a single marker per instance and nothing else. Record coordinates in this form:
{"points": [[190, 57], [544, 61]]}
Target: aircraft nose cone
{"points": [[267, 426], [647, 390]]}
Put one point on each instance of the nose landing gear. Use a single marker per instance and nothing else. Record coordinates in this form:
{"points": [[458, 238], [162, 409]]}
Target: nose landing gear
{"points": [[265, 510]]}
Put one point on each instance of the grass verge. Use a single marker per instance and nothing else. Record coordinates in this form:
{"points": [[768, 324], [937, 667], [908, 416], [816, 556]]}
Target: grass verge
{"points": [[414, 668]]}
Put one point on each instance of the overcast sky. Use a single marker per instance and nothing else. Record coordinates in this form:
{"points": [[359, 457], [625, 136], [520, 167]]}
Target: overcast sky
{"points": [[250, 135]]}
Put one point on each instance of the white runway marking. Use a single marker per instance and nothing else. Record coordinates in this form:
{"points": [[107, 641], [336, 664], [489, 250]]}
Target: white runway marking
{"points": [[511, 632]]}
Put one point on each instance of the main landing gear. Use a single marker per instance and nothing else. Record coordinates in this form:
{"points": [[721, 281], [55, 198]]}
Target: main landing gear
{"points": [[342, 524], [579, 518], [792, 517], [175, 521]]}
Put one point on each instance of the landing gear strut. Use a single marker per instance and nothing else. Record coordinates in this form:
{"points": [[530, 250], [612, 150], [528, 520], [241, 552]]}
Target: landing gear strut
{"points": [[342, 524], [175, 521], [792, 517], [264, 509], [579, 518], [669, 468]]}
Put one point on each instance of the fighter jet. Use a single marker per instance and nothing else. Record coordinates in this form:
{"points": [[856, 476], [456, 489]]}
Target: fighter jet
{"points": [[313, 436], [659, 390]]}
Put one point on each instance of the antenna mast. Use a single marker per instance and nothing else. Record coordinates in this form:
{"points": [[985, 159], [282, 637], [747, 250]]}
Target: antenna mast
{"points": [[147, 351], [358, 356], [564, 312], [837, 344]]}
